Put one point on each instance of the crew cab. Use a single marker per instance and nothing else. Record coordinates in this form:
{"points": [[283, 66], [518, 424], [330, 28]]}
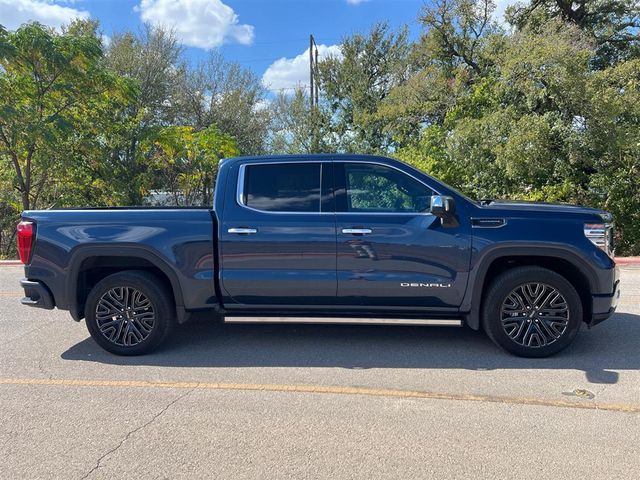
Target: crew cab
{"points": [[326, 239]]}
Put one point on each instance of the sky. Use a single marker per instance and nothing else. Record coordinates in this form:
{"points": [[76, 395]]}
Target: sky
{"points": [[270, 37]]}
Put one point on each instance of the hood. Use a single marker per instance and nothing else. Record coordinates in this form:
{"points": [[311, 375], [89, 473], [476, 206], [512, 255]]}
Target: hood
{"points": [[542, 207]]}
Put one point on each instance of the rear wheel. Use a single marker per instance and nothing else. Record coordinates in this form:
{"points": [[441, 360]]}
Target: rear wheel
{"points": [[129, 313], [532, 312]]}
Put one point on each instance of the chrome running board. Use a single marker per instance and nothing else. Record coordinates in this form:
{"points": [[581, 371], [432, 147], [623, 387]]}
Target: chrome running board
{"points": [[450, 322]]}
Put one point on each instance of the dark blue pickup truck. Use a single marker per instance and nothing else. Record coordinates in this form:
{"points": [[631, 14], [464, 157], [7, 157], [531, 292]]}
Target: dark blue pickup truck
{"points": [[326, 239]]}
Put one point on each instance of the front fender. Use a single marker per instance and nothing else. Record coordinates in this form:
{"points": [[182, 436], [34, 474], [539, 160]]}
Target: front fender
{"points": [[599, 278]]}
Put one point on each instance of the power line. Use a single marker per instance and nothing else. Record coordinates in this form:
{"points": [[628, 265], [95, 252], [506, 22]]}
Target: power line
{"points": [[292, 41], [302, 86]]}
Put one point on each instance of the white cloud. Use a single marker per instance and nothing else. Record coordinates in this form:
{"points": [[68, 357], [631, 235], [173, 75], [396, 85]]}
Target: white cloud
{"points": [[289, 73], [261, 105], [356, 2], [197, 23], [14, 13]]}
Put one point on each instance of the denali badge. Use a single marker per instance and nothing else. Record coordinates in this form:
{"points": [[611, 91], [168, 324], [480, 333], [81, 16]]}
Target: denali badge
{"points": [[427, 285]]}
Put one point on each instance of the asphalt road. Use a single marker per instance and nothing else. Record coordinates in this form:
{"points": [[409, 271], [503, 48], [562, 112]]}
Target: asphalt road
{"points": [[260, 401]]}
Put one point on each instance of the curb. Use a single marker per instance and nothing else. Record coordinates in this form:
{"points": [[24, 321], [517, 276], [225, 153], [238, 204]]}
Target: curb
{"points": [[628, 260], [10, 263]]}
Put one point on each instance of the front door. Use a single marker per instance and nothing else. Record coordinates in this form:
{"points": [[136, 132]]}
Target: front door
{"points": [[391, 251], [278, 237]]}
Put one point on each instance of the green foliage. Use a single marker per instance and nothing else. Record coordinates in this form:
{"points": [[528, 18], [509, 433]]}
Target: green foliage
{"points": [[356, 83], [184, 163], [611, 24], [172, 93], [222, 93], [613, 138], [56, 100], [456, 33], [298, 128]]}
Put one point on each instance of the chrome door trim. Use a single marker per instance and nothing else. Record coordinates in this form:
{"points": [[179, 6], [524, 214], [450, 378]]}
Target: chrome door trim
{"points": [[357, 231], [368, 162], [243, 231], [240, 188]]}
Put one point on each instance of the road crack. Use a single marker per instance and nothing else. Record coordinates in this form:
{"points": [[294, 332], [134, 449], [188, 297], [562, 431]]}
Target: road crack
{"points": [[134, 431]]}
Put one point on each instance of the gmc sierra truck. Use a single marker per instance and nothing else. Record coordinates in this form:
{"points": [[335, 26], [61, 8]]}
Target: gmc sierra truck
{"points": [[326, 239]]}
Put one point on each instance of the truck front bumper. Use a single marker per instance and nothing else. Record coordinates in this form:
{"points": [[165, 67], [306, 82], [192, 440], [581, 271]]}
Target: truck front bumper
{"points": [[605, 305], [36, 294]]}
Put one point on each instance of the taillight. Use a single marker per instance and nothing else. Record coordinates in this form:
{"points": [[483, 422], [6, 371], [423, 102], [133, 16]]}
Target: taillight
{"points": [[25, 240]]}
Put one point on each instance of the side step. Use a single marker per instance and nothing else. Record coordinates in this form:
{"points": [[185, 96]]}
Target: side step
{"points": [[448, 322]]}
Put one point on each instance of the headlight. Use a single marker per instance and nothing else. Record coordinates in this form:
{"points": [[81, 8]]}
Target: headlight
{"points": [[601, 235]]}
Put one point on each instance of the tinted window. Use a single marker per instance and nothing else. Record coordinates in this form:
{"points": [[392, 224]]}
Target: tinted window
{"points": [[376, 188], [283, 187]]}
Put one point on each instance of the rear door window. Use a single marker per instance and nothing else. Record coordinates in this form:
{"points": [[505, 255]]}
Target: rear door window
{"points": [[282, 187]]}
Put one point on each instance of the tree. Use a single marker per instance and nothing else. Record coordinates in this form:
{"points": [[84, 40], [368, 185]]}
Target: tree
{"points": [[612, 133], [298, 128], [612, 24], [459, 46], [215, 92], [455, 33], [355, 83], [9, 211], [152, 58], [516, 131], [50, 85], [222, 93], [184, 162]]}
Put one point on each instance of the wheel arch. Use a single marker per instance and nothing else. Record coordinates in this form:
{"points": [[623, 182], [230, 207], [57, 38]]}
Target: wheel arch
{"points": [[560, 260], [91, 264]]}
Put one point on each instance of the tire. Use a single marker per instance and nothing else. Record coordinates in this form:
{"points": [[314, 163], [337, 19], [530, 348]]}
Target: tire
{"points": [[129, 313], [511, 319]]}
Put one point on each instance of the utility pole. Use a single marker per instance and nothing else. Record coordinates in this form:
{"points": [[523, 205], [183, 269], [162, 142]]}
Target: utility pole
{"points": [[314, 85], [311, 90], [314, 92], [317, 74]]}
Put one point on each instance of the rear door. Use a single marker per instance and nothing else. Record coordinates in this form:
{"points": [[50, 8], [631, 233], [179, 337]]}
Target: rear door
{"points": [[278, 237], [391, 251]]}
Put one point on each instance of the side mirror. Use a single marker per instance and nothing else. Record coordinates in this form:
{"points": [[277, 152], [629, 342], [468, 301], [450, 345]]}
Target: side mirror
{"points": [[443, 206]]}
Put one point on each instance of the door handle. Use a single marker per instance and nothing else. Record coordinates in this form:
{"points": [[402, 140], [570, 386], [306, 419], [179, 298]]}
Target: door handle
{"points": [[356, 231], [243, 231]]}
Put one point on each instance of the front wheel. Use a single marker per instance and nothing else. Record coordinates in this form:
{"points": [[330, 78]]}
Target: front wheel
{"points": [[129, 313], [532, 312]]}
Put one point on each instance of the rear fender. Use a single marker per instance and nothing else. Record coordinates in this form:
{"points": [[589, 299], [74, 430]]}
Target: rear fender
{"points": [[82, 253]]}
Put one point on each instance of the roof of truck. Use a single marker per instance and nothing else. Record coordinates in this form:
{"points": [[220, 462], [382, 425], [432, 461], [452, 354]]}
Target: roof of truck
{"points": [[307, 157]]}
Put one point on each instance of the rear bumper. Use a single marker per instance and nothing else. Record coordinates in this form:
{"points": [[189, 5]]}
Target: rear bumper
{"points": [[36, 294], [605, 305]]}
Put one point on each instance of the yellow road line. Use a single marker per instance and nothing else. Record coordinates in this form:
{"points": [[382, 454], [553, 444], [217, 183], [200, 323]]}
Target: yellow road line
{"points": [[319, 389], [11, 294]]}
